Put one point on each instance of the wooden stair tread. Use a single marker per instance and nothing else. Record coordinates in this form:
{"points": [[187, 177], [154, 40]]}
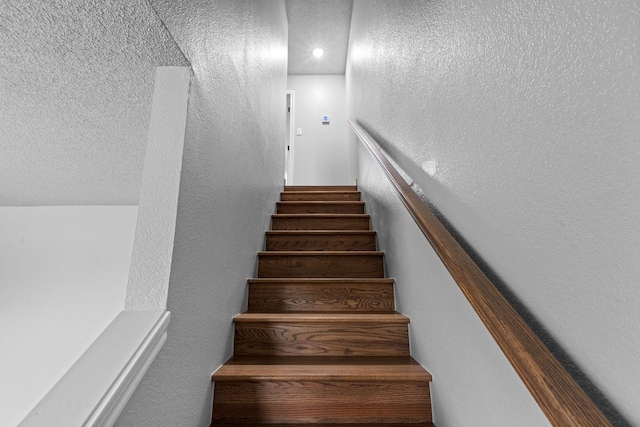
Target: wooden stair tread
{"points": [[321, 317], [321, 368]]}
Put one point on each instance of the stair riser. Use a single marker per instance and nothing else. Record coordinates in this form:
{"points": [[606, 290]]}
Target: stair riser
{"points": [[316, 223], [366, 402], [249, 424], [321, 339], [288, 297], [301, 265], [332, 208], [320, 188], [320, 242], [320, 196]]}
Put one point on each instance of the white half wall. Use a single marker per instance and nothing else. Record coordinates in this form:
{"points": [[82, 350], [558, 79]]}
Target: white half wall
{"points": [[95, 389], [321, 155], [63, 279]]}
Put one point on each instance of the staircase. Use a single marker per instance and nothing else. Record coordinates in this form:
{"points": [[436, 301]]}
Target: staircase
{"points": [[321, 342]]}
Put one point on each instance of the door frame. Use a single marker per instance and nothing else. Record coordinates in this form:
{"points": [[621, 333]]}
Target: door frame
{"points": [[290, 148]]}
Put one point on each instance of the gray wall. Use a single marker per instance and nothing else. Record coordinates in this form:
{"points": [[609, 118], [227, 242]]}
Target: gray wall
{"points": [[321, 155], [231, 173], [521, 121]]}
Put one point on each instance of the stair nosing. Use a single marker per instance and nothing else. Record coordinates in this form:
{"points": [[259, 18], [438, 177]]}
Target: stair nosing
{"points": [[322, 202], [323, 253], [384, 424], [316, 368], [321, 191], [390, 280], [290, 231], [351, 187], [317, 215]]}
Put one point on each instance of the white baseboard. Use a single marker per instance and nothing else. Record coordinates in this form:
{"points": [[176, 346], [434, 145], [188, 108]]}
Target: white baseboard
{"points": [[97, 387]]}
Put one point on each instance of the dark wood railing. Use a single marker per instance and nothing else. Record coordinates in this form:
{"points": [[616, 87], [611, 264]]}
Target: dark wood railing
{"points": [[558, 395]]}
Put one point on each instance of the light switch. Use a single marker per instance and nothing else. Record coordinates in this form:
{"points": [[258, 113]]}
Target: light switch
{"points": [[299, 131]]}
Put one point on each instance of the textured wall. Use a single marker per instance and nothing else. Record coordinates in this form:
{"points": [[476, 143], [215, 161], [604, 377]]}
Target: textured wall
{"points": [[76, 80], [233, 168], [155, 229], [521, 121], [321, 155], [473, 383], [50, 314]]}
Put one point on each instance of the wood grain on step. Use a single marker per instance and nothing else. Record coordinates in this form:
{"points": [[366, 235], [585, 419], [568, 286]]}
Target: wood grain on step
{"points": [[326, 349], [314, 240], [292, 368], [319, 195], [321, 339], [320, 188], [320, 222], [388, 318], [324, 295], [321, 264], [344, 207], [321, 402], [323, 424]]}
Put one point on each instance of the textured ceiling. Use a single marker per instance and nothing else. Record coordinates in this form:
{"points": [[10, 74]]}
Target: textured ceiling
{"points": [[76, 81], [318, 23]]}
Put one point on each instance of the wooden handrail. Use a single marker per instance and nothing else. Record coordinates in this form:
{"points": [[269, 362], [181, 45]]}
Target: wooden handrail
{"points": [[558, 395]]}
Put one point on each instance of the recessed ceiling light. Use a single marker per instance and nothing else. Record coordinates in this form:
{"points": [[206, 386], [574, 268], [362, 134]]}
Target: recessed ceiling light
{"points": [[317, 52]]}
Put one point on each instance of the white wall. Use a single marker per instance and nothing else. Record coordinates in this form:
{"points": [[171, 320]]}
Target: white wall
{"points": [[63, 278], [531, 113], [321, 155], [231, 174]]}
